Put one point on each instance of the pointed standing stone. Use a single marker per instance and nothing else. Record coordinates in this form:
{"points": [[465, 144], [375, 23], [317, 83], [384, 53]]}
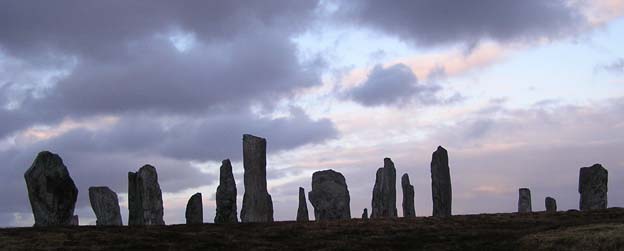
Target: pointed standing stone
{"points": [[257, 203], [105, 205], [441, 183], [408, 197], [551, 204], [145, 204], [51, 191], [593, 187], [524, 200], [365, 214], [302, 211], [194, 210], [226, 195], [384, 191], [330, 196]]}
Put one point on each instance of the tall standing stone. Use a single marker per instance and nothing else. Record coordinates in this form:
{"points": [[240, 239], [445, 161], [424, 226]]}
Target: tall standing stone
{"points": [[302, 211], [226, 195], [408, 197], [257, 203], [384, 191], [441, 192], [51, 191], [524, 200], [194, 210], [145, 202], [105, 205], [551, 204], [593, 187], [365, 214], [75, 221], [330, 196]]}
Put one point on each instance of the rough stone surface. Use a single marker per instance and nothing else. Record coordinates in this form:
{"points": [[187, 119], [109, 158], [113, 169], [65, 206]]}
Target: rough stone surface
{"points": [[75, 221], [408, 197], [384, 191], [51, 191], [551, 204], [257, 202], [194, 210], [302, 211], [105, 205], [226, 195], [145, 202], [441, 192], [365, 214], [593, 187], [330, 196], [524, 200]]}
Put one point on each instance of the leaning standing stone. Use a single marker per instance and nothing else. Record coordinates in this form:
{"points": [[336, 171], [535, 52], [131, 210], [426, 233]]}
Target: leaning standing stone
{"points": [[593, 187], [384, 191], [302, 211], [441, 183], [194, 210], [330, 196], [145, 202], [524, 200], [551, 204], [51, 191], [105, 205], [226, 195], [257, 203], [408, 197]]}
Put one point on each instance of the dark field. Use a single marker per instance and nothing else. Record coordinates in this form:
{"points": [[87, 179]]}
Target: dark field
{"points": [[596, 230]]}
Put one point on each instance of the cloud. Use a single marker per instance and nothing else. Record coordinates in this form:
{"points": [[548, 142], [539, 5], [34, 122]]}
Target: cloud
{"points": [[616, 66]]}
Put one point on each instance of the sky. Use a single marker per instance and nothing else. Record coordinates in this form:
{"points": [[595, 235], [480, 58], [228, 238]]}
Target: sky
{"points": [[520, 93]]}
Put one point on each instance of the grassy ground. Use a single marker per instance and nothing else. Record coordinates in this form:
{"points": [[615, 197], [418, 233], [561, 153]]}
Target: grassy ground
{"points": [[596, 230]]}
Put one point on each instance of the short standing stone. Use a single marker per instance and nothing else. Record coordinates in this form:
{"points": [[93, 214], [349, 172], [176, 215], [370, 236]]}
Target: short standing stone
{"points": [[105, 205], [226, 195], [524, 200], [51, 191], [145, 202], [593, 187], [330, 196], [257, 202], [441, 183], [194, 210], [365, 214], [551, 204], [302, 211], [408, 197], [384, 191]]}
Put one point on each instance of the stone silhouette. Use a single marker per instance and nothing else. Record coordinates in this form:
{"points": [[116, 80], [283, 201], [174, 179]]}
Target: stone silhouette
{"points": [[365, 214], [257, 202], [75, 221], [51, 191], [408, 197], [384, 191], [145, 204], [302, 211], [524, 200], [330, 196], [551, 204], [441, 192], [194, 210], [593, 187], [226, 195], [105, 205]]}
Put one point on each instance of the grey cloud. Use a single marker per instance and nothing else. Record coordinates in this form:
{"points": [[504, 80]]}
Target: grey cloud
{"points": [[616, 66]]}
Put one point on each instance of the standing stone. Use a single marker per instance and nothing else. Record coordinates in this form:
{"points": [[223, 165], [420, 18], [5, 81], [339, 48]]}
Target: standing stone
{"points": [[384, 191], [51, 191], [330, 196], [408, 197], [226, 195], [302, 211], [105, 205], [524, 200], [145, 202], [257, 203], [74, 221], [593, 187], [194, 210], [441, 183], [551, 204], [365, 214]]}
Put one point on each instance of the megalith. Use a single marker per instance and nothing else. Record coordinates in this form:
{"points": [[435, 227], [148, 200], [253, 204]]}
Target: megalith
{"points": [[105, 205], [75, 221], [145, 204], [593, 187], [330, 196], [441, 183], [524, 200], [408, 197], [51, 191], [226, 195], [384, 191], [302, 211], [551, 204], [194, 213], [257, 203], [365, 214]]}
